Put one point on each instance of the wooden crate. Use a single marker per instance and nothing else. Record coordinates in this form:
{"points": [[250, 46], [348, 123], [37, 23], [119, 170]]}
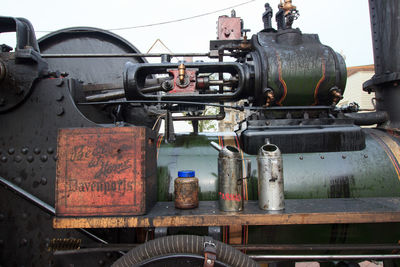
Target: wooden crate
{"points": [[106, 171]]}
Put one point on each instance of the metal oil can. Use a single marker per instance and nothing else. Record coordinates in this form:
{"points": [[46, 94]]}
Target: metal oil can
{"points": [[270, 178], [230, 178], [186, 190]]}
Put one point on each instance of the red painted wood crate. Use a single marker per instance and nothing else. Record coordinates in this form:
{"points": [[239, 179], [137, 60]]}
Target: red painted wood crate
{"points": [[106, 171]]}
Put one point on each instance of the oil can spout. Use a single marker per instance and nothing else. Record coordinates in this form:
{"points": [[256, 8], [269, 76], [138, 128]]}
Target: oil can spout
{"points": [[216, 146]]}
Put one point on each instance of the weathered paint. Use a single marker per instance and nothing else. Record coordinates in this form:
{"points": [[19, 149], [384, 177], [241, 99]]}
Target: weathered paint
{"points": [[104, 171]]}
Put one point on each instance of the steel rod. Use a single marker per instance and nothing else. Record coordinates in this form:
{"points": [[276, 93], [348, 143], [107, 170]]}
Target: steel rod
{"points": [[128, 55]]}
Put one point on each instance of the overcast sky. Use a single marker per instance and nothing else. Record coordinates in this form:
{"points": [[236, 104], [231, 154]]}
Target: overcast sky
{"points": [[342, 24]]}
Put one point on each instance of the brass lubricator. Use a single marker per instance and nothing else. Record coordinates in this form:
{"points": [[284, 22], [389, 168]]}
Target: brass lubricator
{"points": [[64, 244], [181, 71]]}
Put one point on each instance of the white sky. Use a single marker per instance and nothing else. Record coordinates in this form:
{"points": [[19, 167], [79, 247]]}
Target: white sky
{"points": [[342, 24]]}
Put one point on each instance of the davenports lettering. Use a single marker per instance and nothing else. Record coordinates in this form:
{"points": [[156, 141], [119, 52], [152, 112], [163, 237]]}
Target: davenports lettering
{"points": [[106, 187]]}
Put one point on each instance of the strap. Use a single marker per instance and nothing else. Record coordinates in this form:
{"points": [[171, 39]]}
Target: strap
{"points": [[210, 252]]}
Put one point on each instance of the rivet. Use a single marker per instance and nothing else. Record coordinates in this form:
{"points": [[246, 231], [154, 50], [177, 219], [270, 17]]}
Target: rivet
{"points": [[11, 151], [43, 158], [101, 262], [43, 181], [59, 111], [55, 157], [322, 157], [50, 150], [59, 96], [343, 156], [30, 158], [24, 215], [17, 158], [1, 242], [24, 150], [2, 101], [24, 241], [3, 159], [301, 157], [2, 217], [36, 150], [18, 180], [108, 254], [35, 184], [365, 156]]}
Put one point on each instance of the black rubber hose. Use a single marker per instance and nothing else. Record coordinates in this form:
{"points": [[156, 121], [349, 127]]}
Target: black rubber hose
{"points": [[368, 118], [182, 244]]}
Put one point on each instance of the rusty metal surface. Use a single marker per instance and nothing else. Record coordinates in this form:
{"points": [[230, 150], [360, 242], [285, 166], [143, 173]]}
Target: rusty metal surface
{"points": [[103, 171], [297, 212], [186, 191], [229, 28]]}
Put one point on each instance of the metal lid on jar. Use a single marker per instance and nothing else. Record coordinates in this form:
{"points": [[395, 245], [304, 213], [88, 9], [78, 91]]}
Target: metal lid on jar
{"points": [[186, 173]]}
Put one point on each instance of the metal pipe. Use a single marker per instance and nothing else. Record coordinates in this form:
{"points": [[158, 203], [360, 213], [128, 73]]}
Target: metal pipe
{"points": [[115, 94], [317, 247], [324, 257], [368, 118]]}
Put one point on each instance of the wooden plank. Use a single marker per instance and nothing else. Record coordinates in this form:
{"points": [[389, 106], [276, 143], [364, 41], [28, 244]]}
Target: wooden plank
{"points": [[305, 211]]}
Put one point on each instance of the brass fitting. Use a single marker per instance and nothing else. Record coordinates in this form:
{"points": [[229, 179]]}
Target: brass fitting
{"points": [[337, 96], [287, 6], [181, 71]]}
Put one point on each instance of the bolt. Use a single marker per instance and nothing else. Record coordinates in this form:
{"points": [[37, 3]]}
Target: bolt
{"points": [[43, 158], [43, 181], [50, 150], [24, 150], [17, 158], [3, 159], [59, 111], [11, 151], [36, 150], [29, 158]]}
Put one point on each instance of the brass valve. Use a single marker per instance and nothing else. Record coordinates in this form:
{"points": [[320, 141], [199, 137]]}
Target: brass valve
{"points": [[181, 71]]}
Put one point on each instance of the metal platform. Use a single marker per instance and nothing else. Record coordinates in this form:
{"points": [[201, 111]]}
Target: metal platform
{"points": [[298, 211]]}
